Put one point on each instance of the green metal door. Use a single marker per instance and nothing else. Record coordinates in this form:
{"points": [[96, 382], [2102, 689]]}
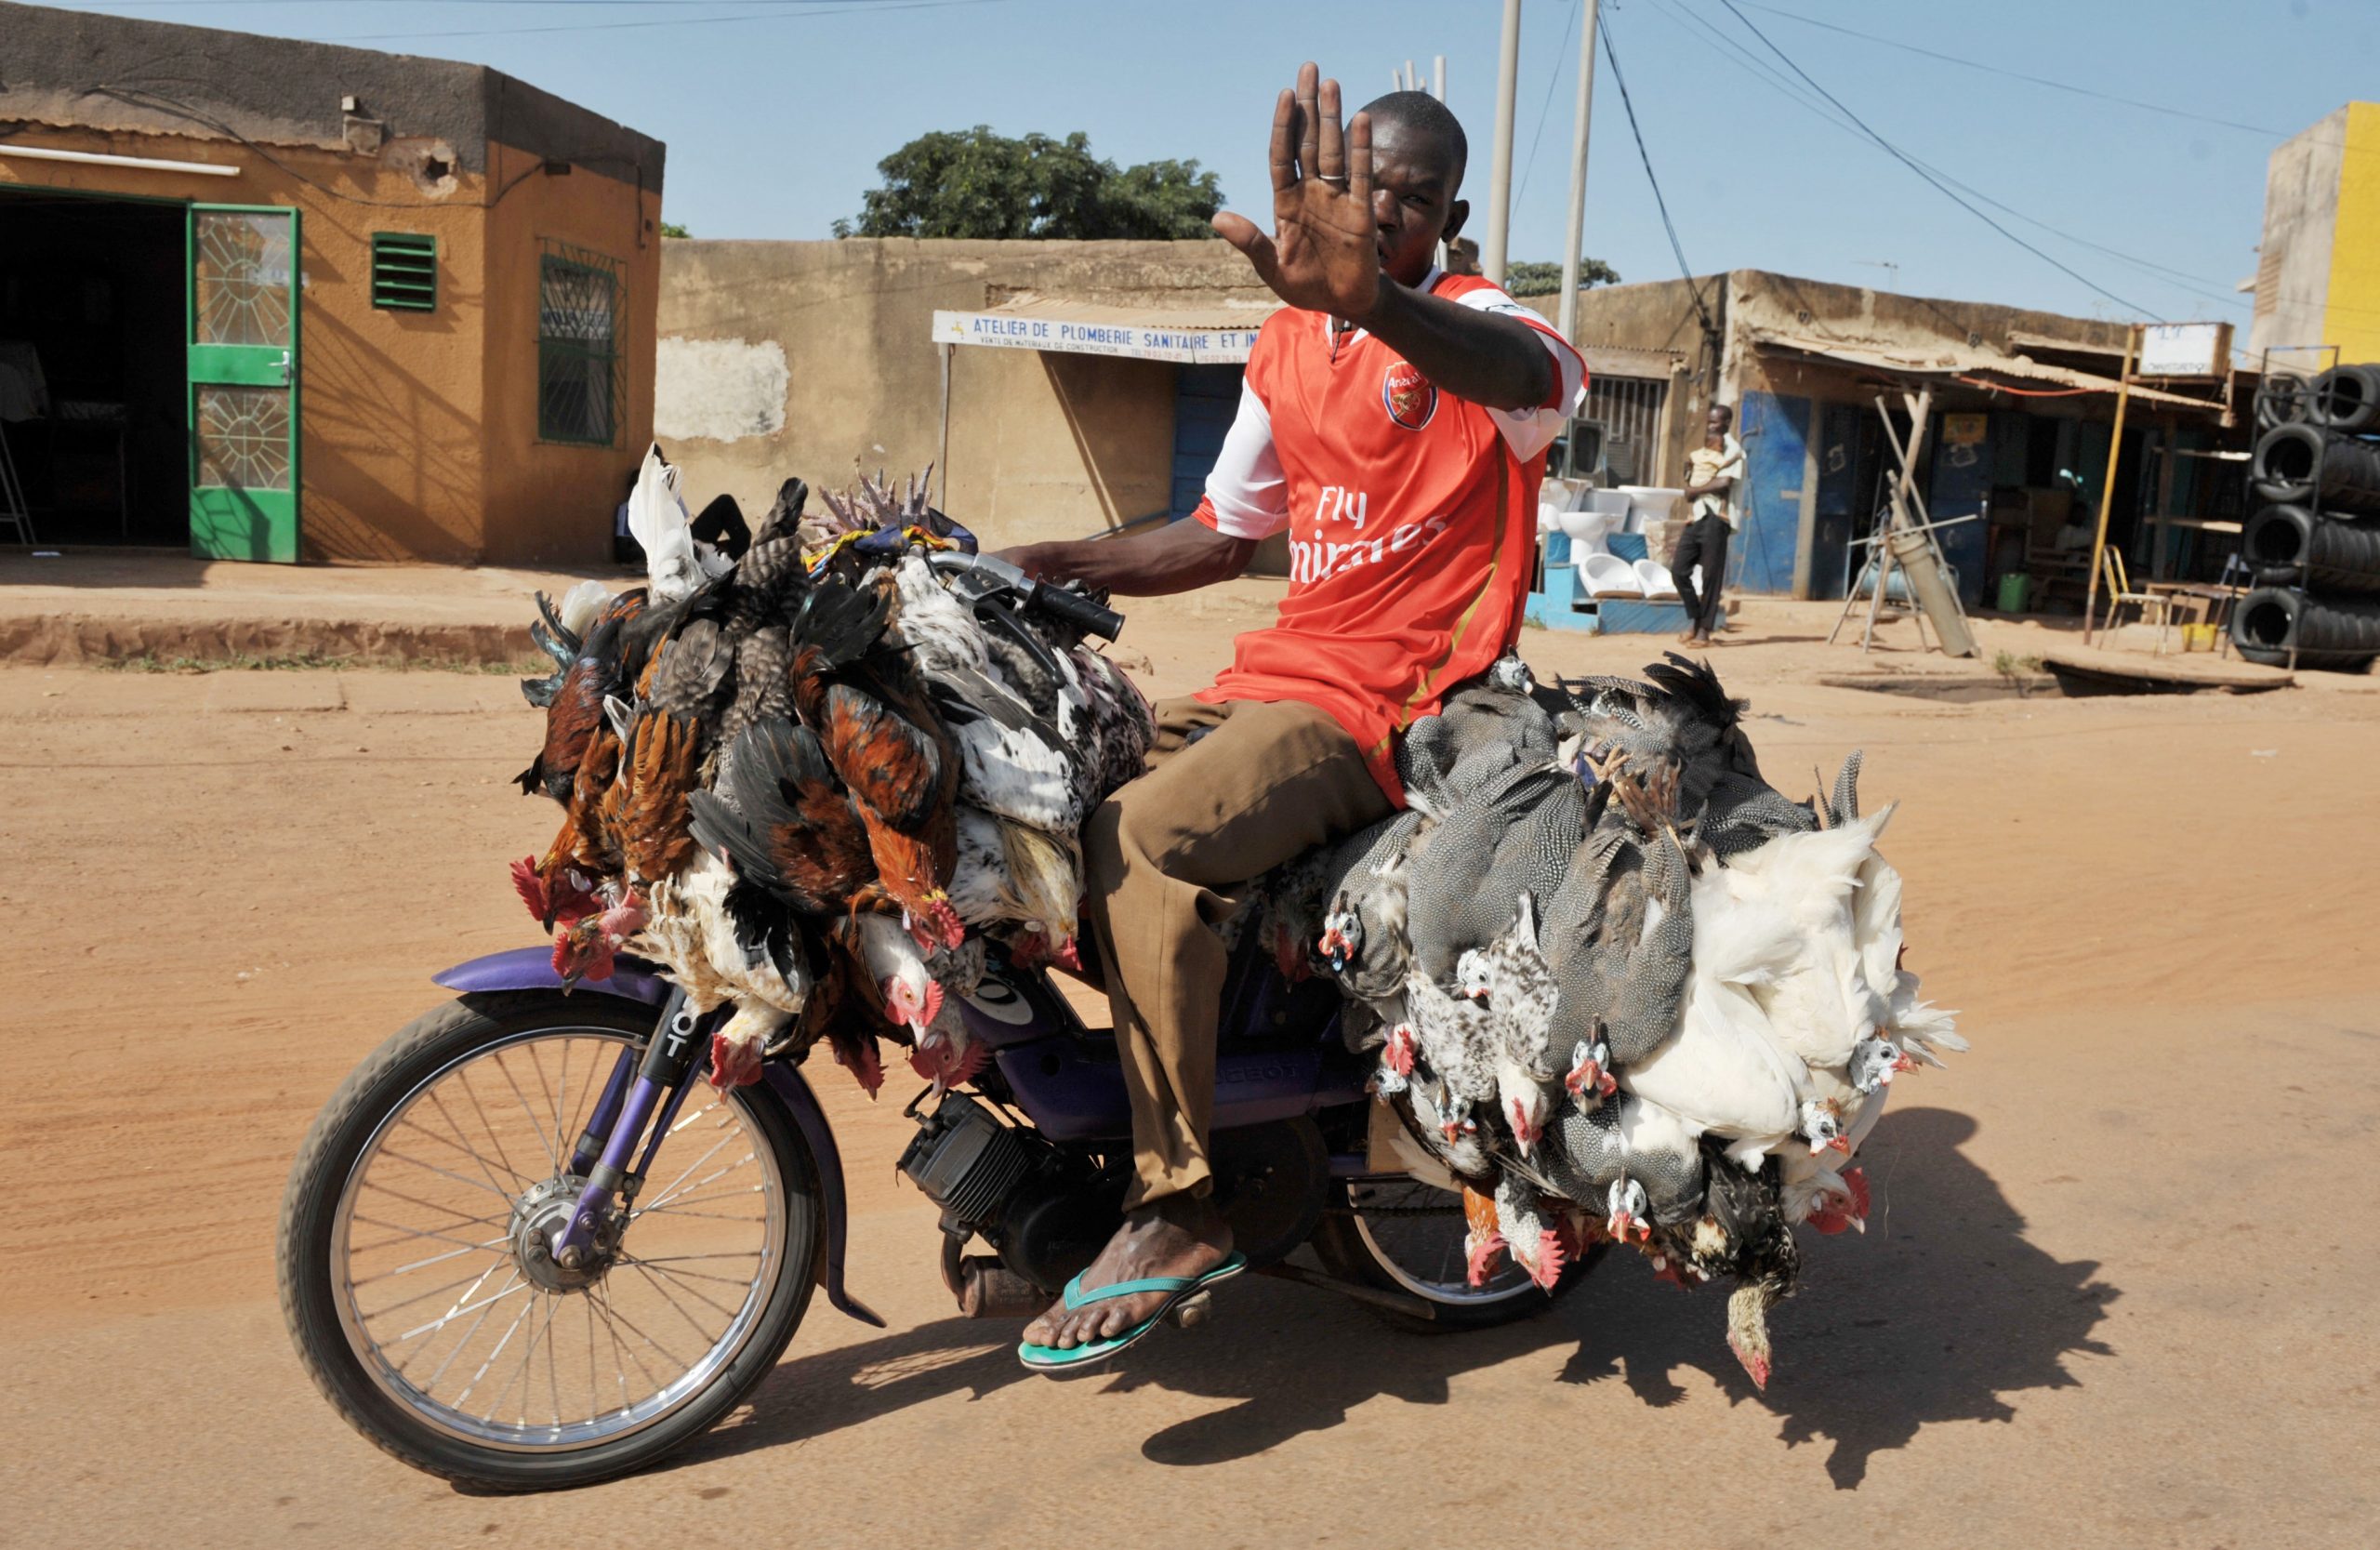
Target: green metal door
{"points": [[243, 480]]}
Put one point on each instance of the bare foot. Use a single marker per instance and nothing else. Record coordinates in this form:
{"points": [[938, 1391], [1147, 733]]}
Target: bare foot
{"points": [[1685, 638], [1178, 1236]]}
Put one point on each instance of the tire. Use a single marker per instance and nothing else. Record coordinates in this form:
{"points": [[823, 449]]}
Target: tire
{"points": [[337, 1164], [2280, 400], [2306, 465], [2342, 634], [2289, 543], [1349, 1252], [2346, 398]]}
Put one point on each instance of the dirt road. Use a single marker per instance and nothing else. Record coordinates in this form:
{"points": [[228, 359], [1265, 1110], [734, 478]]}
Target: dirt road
{"points": [[2116, 1290]]}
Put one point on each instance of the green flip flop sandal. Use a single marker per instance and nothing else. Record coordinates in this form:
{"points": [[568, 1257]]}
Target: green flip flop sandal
{"points": [[1179, 1289]]}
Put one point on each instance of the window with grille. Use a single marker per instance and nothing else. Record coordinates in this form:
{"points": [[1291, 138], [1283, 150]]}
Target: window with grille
{"points": [[404, 272], [579, 363], [1629, 409]]}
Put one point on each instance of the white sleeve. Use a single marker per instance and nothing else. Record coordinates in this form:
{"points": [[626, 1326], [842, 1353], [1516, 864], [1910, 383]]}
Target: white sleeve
{"points": [[1530, 431], [1247, 488]]}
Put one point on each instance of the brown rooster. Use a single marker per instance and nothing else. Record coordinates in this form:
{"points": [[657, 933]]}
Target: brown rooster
{"points": [[776, 812], [644, 811], [885, 742], [574, 711]]}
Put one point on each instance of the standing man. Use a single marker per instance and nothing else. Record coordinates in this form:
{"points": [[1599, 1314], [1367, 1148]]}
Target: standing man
{"points": [[1711, 471], [1394, 422]]}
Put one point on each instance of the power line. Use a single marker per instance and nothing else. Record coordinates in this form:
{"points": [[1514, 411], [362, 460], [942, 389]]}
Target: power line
{"points": [[2018, 74], [1768, 74], [1561, 52], [1611, 56], [1944, 189]]}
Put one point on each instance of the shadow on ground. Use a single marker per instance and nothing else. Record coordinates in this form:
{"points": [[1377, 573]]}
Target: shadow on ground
{"points": [[1941, 1313]]}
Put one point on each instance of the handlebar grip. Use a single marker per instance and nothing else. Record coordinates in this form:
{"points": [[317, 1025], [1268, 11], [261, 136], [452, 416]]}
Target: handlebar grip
{"points": [[1076, 610]]}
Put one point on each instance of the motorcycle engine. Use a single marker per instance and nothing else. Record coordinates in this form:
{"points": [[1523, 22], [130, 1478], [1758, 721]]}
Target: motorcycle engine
{"points": [[967, 1163], [1045, 1211]]}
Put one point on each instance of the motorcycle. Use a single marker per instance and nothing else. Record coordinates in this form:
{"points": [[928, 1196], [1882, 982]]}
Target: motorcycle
{"points": [[483, 1275]]}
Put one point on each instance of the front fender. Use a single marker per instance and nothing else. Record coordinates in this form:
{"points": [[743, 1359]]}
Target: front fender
{"points": [[532, 968], [633, 979]]}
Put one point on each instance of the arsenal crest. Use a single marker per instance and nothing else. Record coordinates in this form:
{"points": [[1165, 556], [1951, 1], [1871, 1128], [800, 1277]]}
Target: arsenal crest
{"points": [[1407, 396]]}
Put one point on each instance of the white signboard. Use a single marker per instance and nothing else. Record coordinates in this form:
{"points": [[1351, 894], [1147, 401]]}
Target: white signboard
{"points": [[1185, 346], [2184, 350]]}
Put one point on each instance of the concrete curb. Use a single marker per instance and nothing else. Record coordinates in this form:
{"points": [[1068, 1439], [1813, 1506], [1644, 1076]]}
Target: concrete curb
{"points": [[68, 639]]}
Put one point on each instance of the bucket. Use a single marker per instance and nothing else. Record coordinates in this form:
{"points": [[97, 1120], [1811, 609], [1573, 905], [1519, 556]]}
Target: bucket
{"points": [[2016, 590], [2198, 637]]}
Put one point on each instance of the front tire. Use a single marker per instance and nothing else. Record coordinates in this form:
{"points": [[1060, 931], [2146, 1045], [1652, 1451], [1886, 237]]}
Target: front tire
{"points": [[427, 1139]]}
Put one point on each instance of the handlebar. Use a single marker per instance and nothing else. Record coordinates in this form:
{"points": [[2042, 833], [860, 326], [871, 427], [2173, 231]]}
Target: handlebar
{"points": [[989, 573]]}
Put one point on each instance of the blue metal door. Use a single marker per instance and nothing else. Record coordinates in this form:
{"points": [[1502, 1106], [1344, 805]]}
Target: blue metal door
{"points": [[1838, 498], [1775, 431], [1961, 486], [1205, 399]]}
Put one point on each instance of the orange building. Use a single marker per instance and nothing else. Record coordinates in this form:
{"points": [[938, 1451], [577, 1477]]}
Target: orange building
{"points": [[284, 300]]}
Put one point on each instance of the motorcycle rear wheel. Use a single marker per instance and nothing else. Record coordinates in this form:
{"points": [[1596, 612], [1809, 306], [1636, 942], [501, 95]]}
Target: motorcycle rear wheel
{"points": [[1405, 1236], [413, 1145]]}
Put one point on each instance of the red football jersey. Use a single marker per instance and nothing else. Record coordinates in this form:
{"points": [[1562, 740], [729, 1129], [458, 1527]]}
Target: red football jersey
{"points": [[1411, 516]]}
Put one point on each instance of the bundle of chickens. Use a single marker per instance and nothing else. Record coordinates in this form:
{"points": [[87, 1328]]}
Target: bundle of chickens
{"points": [[812, 781], [1622, 990]]}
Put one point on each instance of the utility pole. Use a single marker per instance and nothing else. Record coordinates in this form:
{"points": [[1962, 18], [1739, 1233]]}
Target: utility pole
{"points": [[1500, 177], [1574, 236], [1439, 78], [2107, 487]]}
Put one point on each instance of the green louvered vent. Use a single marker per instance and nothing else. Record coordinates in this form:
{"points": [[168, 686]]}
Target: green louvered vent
{"points": [[404, 272]]}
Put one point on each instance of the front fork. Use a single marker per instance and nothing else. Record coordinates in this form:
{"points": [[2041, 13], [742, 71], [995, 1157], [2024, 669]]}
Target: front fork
{"points": [[639, 1097]]}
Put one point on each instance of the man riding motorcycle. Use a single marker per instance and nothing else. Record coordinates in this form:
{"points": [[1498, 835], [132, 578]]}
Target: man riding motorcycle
{"points": [[1393, 421]]}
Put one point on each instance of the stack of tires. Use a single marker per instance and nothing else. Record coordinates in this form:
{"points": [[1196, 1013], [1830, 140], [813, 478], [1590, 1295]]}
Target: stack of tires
{"points": [[2313, 547]]}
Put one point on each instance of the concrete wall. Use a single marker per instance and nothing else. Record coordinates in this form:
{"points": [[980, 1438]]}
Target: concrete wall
{"points": [[2301, 221], [815, 358], [155, 77]]}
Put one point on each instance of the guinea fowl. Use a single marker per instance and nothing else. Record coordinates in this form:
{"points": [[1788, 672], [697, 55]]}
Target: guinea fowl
{"points": [[1509, 978]]}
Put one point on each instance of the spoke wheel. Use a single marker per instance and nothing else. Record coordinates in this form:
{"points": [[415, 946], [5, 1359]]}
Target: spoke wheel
{"points": [[1402, 1235], [414, 1269]]}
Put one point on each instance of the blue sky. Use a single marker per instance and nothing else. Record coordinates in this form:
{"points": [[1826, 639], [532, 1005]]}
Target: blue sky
{"points": [[776, 114]]}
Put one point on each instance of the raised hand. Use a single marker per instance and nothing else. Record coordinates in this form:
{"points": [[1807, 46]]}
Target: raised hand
{"points": [[1324, 253]]}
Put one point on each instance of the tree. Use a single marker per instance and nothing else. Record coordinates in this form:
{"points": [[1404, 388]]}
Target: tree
{"points": [[1534, 279], [671, 229], [978, 184]]}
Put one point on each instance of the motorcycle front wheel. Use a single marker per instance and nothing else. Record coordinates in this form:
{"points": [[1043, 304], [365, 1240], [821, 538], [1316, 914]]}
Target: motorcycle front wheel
{"points": [[412, 1276]]}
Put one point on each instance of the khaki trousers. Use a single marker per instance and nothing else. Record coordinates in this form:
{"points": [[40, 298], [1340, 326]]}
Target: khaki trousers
{"points": [[1231, 790]]}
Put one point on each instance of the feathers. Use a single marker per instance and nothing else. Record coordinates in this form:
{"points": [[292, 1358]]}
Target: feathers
{"points": [[657, 520]]}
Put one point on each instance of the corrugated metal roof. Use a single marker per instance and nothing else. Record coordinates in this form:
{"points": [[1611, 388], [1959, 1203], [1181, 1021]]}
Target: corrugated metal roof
{"points": [[1943, 360]]}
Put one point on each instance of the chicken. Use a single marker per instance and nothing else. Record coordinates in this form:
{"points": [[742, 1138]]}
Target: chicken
{"points": [[591, 672], [777, 815], [658, 523], [887, 746]]}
